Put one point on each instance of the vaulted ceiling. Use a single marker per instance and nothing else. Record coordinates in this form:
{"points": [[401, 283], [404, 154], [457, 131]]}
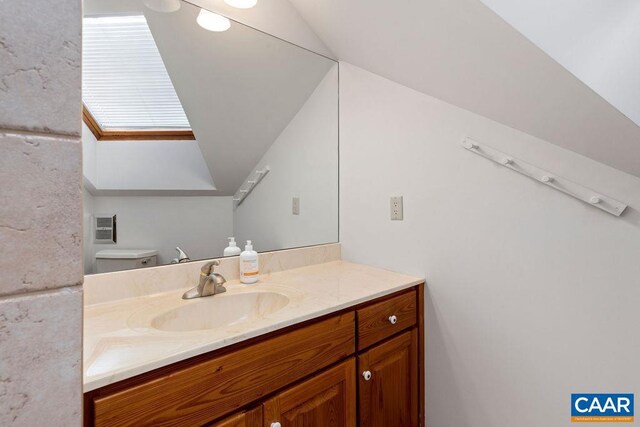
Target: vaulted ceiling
{"points": [[596, 40], [239, 88], [462, 52]]}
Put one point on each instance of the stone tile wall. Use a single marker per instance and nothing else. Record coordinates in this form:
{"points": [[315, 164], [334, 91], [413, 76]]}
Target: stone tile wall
{"points": [[40, 213]]}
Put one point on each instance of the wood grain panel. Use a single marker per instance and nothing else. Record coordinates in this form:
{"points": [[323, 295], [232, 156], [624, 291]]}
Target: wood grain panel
{"points": [[250, 418], [147, 135], [373, 321], [421, 348], [390, 397], [130, 134], [216, 387], [91, 123], [326, 400]]}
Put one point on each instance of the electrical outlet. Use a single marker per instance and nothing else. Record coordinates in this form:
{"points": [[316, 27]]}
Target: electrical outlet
{"points": [[396, 208], [295, 206]]}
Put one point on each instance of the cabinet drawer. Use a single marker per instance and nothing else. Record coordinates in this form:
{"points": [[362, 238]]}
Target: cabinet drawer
{"points": [[211, 389], [375, 322]]}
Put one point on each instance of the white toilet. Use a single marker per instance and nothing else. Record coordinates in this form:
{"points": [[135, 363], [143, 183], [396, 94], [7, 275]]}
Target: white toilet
{"points": [[108, 260]]}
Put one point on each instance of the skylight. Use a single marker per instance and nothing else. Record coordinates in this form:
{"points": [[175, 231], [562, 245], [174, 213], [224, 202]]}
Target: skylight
{"points": [[125, 83]]}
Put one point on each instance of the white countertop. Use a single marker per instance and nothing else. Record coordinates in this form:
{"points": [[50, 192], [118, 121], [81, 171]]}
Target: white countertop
{"points": [[120, 343]]}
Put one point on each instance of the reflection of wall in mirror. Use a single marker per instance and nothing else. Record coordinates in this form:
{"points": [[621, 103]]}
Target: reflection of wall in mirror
{"points": [[304, 164], [192, 217], [199, 225]]}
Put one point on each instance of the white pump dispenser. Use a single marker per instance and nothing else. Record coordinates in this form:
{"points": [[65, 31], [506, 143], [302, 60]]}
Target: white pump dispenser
{"points": [[249, 264], [232, 249]]}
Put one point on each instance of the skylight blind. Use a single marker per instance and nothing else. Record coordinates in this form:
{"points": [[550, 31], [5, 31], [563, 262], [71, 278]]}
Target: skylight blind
{"points": [[125, 84]]}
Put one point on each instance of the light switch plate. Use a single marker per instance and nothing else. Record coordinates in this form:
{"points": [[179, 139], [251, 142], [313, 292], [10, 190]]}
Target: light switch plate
{"points": [[397, 213], [295, 206]]}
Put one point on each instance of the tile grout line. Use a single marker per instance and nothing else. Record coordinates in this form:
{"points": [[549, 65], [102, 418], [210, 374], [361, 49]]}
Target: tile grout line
{"points": [[60, 289], [38, 134]]}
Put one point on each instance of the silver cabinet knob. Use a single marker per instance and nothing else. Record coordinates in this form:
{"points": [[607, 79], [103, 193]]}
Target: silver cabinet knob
{"points": [[276, 424], [366, 375], [393, 319]]}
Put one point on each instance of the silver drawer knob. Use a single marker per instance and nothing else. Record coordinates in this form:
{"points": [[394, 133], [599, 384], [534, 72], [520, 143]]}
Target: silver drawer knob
{"points": [[276, 424], [393, 319], [366, 375]]}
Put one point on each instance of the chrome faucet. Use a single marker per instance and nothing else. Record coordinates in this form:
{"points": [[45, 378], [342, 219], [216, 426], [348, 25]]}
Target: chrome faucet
{"points": [[210, 283], [182, 257]]}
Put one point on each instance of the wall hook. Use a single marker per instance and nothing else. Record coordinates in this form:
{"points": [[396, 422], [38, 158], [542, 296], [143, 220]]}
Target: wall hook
{"points": [[561, 184], [257, 176], [470, 145]]}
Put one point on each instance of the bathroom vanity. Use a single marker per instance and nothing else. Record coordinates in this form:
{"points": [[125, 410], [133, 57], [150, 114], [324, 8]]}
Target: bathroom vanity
{"points": [[345, 349], [241, 132]]}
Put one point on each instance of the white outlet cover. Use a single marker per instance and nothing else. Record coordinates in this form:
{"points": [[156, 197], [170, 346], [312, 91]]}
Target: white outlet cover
{"points": [[396, 211], [295, 206]]}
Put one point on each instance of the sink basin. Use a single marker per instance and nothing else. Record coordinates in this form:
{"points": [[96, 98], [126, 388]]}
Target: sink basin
{"points": [[219, 311]]}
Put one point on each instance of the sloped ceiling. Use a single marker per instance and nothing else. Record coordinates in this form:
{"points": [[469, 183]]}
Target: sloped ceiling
{"points": [[463, 53], [597, 40], [276, 17], [239, 88]]}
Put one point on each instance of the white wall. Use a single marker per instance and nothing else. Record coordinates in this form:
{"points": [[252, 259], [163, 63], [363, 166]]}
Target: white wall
{"points": [[460, 51], [199, 225], [87, 231], [531, 294], [89, 160], [597, 40], [152, 165], [144, 165], [304, 164]]}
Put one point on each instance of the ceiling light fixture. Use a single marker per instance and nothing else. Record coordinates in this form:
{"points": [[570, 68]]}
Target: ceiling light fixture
{"points": [[241, 4], [212, 21], [165, 6]]}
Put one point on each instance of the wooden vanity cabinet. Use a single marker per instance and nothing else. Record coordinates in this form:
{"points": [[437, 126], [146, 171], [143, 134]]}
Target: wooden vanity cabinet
{"points": [[383, 319], [250, 418], [307, 375], [389, 383], [326, 400]]}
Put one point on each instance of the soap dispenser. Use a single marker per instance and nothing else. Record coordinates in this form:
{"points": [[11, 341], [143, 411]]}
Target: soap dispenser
{"points": [[249, 264], [232, 249]]}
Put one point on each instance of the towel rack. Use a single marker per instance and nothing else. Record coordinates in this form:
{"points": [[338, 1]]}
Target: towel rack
{"points": [[242, 194], [591, 197]]}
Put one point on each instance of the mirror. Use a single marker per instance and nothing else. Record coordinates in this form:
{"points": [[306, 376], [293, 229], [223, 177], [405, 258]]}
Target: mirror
{"points": [[199, 128]]}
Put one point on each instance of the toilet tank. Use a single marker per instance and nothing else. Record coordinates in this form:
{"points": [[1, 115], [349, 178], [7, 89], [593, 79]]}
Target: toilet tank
{"points": [[108, 260]]}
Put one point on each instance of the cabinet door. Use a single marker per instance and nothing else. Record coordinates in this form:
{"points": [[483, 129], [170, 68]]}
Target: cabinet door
{"points": [[388, 375], [250, 418], [326, 400]]}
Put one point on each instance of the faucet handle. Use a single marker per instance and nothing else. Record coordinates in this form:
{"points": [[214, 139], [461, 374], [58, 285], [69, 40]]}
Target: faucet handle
{"points": [[218, 282], [207, 269]]}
